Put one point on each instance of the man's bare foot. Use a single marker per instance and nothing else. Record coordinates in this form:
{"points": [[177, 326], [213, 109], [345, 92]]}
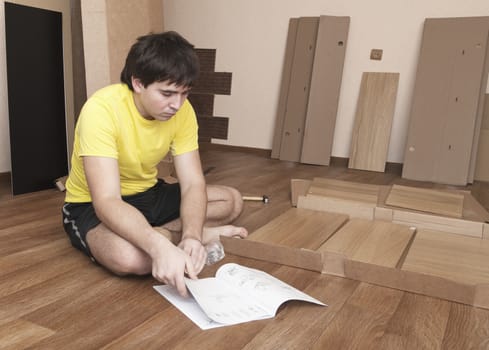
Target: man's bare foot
{"points": [[213, 233]]}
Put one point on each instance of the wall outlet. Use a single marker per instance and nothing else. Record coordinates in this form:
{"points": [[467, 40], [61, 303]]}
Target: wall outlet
{"points": [[376, 54]]}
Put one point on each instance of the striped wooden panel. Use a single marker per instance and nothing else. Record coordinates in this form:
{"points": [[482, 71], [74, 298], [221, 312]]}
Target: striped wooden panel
{"points": [[203, 103], [218, 83], [373, 121], [207, 59], [213, 127]]}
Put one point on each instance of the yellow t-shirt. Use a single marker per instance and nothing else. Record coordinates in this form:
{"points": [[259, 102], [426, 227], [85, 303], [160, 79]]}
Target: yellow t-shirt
{"points": [[111, 126]]}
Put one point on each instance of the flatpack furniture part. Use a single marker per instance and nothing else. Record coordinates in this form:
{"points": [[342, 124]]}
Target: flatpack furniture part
{"points": [[373, 121], [309, 95], [299, 87], [324, 94], [427, 200], [284, 87], [344, 190], [482, 163], [447, 102], [349, 199], [375, 252], [208, 84]]}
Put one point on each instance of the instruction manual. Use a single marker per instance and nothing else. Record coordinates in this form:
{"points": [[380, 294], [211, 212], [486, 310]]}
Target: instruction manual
{"points": [[237, 294]]}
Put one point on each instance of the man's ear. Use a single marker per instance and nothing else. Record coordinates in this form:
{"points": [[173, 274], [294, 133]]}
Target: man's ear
{"points": [[137, 85]]}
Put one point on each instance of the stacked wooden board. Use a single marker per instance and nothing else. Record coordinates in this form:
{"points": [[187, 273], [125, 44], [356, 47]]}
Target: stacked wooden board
{"points": [[370, 241]]}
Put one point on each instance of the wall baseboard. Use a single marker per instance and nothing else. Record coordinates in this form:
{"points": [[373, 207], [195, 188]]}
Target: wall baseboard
{"points": [[342, 162]]}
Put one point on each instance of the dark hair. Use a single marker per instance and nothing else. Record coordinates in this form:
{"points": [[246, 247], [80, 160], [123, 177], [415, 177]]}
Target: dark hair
{"points": [[161, 57]]}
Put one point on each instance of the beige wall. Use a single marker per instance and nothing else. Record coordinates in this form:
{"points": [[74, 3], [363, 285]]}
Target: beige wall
{"points": [[250, 39], [62, 6], [110, 27]]}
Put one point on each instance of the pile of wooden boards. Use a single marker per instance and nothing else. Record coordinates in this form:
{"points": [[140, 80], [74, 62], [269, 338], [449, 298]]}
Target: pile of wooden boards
{"points": [[446, 129], [431, 242]]}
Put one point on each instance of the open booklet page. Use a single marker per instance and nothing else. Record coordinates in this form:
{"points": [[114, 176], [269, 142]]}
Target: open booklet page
{"points": [[237, 294]]}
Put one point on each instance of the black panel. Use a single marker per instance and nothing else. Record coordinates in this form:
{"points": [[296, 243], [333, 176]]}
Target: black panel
{"points": [[36, 97]]}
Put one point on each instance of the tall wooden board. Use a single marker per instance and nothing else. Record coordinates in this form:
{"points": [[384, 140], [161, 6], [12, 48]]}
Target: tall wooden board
{"points": [[325, 89], [299, 87], [373, 121], [446, 100], [284, 87], [482, 163]]}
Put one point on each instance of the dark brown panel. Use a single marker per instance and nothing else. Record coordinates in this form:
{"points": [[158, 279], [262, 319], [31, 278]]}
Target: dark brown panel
{"points": [[207, 59], [213, 127], [203, 103], [79, 83], [218, 83]]}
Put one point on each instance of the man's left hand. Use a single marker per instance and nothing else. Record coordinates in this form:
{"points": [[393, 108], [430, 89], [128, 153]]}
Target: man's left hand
{"points": [[196, 250]]}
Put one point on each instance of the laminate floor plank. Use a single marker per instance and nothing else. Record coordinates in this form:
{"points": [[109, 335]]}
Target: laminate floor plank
{"points": [[363, 319], [467, 328], [20, 334], [418, 323]]}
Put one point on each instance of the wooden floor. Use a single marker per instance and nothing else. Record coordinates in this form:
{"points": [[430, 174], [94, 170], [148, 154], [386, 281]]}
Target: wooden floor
{"points": [[53, 297]]}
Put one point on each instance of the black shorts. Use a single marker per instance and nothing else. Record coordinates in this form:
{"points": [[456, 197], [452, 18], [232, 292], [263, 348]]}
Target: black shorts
{"points": [[159, 204]]}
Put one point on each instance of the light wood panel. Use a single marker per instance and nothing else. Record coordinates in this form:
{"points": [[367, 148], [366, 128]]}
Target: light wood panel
{"points": [[445, 116], [322, 105], [356, 191], [300, 228], [455, 257], [299, 87], [284, 87], [439, 223], [427, 200], [377, 242], [373, 121], [335, 205], [20, 334]]}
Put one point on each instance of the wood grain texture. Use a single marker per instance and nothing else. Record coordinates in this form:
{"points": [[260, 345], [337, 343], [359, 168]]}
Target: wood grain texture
{"points": [[373, 121], [454, 257], [347, 190], [300, 228], [88, 308], [335, 205], [439, 223], [376, 242], [419, 322], [368, 311], [426, 200]]}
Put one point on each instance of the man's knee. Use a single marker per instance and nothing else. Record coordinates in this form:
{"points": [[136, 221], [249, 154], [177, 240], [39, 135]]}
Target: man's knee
{"points": [[237, 203], [130, 263]]}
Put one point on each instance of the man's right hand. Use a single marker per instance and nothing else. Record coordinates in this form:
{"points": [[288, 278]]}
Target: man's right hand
{"points": [[170, 264]]}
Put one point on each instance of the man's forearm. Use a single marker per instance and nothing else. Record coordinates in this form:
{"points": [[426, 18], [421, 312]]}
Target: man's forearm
{"points": [[193, 211], [130, 224]]}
